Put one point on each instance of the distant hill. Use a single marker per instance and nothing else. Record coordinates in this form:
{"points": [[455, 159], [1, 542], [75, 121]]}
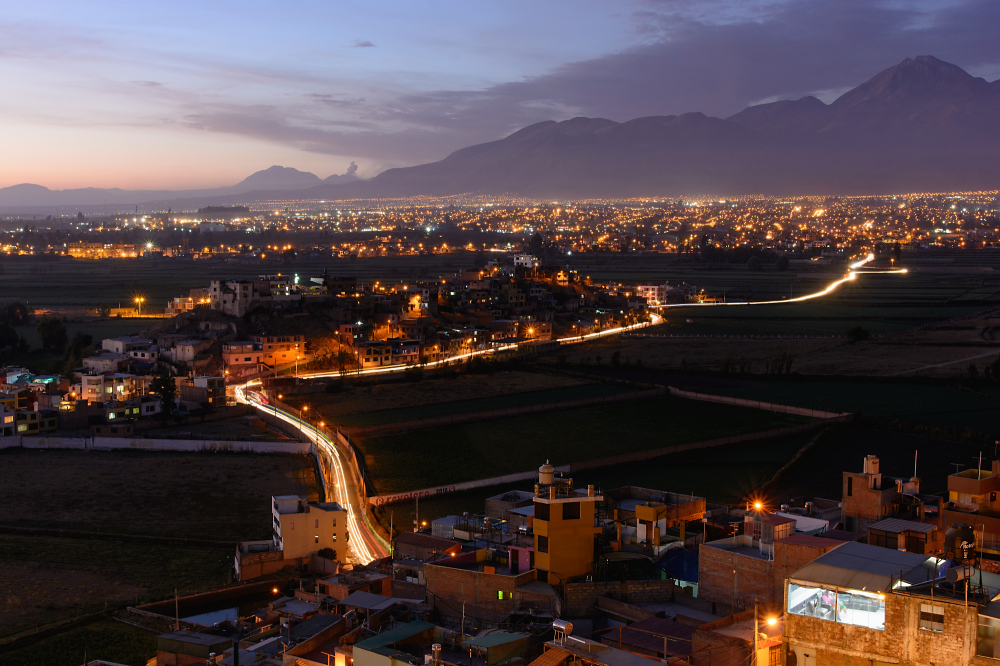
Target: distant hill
{"points": [[922, 125]]}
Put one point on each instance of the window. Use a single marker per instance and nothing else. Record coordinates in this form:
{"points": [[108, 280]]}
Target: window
{"points": [[334, 522], [317, 523], [850, 484], [571, 511], [316, 538], [987, 644], [862, 609], [334, 536], [932, 618], [811, 601], [541, 511], [542, 544]]}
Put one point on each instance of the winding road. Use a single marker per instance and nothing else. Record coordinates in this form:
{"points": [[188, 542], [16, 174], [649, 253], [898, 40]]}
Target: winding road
{"points": [[365, 544]]}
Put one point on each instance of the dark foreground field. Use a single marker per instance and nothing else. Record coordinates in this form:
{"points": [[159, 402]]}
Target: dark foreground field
{"points": [[211, 497]]}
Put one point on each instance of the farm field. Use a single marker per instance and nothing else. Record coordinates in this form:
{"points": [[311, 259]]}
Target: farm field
{"points": [[48, 579], [103, 639], [193, 495], [506, 401], [940, 406], [462, 452], [372, 398], [727, 473]]}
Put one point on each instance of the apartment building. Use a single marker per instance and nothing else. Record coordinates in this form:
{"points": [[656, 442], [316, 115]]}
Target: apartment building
{"points": [[564, 524], [303, 528]]}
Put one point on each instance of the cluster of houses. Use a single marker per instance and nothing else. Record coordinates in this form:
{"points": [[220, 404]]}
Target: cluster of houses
{"points": [[421, 321], [566, 574]]}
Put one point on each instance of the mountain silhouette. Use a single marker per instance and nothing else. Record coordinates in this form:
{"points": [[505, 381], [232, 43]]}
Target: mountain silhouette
{"points": [[922, 125]]}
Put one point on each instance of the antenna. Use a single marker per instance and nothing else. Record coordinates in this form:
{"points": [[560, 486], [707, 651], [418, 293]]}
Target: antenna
{"points": [[915, 453]]}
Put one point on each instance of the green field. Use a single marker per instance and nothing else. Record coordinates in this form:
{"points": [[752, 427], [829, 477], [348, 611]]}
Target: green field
{"points": [[462, 452], [511, 401], [947, 407], [102, 639], [728, 473]]}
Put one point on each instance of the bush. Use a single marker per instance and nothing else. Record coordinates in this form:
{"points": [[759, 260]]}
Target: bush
{"points": [[327, 553], [858, 334]]}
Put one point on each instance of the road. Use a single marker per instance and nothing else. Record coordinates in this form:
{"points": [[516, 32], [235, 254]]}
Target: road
{"points": [[364, 545]]}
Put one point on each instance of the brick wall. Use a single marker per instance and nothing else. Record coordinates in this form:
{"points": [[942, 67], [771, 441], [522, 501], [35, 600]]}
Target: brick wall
{"points": [[448, 587], [902, 641], [581, 598], [725, 576]]}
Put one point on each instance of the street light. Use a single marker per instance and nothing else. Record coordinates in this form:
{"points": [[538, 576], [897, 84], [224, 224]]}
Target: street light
{"points": [[305, 408], [139, 301]]}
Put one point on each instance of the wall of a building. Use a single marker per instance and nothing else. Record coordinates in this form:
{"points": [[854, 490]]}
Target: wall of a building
{"points": [[725, 577]]}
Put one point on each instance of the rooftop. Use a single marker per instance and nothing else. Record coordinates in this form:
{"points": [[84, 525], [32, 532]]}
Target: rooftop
{"points": [[861, 567], [898, 525]]}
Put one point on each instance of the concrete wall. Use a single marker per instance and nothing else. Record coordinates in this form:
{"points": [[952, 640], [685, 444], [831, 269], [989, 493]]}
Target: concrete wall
{"points": [[140, 444]]}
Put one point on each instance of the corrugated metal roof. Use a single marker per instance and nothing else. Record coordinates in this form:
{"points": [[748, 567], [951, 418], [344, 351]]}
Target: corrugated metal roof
{"points": [[898, 525], [496, 638], [551, 657], [393, 635], [858, 566]]}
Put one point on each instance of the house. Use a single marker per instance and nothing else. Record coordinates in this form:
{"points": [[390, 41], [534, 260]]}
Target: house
{"points": [[302, 528], [869, 496], [862, 604]]}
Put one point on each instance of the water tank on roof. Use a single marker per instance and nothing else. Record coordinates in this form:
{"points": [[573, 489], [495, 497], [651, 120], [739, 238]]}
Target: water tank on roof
{"points": [[960, 542], [546, 474]]}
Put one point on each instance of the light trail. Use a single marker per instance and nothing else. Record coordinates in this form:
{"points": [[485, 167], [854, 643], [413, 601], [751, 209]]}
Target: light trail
{"points": [[362, 542], [852, 273]]}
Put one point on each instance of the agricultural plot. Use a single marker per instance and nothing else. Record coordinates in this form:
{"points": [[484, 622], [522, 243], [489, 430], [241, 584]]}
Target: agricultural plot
{"points": [[939, 406], [197, 495], [48, 579], [103, 639], [372, 398], [729, 473], [462, 452], [493, 403]]}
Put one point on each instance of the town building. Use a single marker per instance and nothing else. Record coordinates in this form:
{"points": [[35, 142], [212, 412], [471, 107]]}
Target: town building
{"points": [[564, 525]]}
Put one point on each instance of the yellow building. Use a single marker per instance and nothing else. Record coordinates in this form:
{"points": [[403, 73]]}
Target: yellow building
{"points": [[564, 525], [302, 528]]}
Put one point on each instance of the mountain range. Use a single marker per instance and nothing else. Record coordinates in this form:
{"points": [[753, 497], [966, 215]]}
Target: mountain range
{"points": [[922, 125]]}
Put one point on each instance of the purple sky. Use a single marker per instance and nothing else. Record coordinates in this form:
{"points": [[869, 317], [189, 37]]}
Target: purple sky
{"points": [[201, 94]]}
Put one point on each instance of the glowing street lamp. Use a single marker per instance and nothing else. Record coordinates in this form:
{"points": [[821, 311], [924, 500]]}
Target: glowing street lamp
{"points": [[139, 300]]}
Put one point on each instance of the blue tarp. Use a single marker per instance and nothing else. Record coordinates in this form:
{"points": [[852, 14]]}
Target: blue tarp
{"points": [[680, 564]]}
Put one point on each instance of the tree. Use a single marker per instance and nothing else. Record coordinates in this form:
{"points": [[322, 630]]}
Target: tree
{"points": [[8, 337], [53, 333], [164, 387], [536, 244], [16, 314], [104, 310]]}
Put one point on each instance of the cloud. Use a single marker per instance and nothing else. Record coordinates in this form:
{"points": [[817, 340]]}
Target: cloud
{"points": [[363, 44], [716, 57]]}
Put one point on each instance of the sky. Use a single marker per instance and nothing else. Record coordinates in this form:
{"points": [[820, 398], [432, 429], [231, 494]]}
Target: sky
{"points": [[189, 94]]}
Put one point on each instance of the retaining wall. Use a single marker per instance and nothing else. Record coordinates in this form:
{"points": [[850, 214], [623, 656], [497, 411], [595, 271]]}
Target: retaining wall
{"points": [[142, 444], [756, 404]]}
